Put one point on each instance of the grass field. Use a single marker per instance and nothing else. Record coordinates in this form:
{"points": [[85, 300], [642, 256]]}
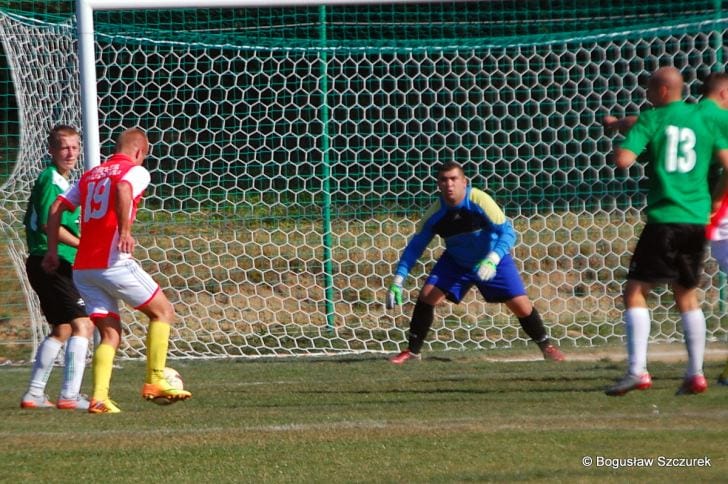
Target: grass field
{"points": [[454, 417]]}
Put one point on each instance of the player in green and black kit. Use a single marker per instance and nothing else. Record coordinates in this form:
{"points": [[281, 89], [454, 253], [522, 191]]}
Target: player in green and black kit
{"points": [[59, 300], [714, 105], [680, 140]]}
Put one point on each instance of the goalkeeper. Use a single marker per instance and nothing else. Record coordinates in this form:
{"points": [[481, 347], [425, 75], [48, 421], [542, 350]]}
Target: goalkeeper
{"points": [[478, 239]]}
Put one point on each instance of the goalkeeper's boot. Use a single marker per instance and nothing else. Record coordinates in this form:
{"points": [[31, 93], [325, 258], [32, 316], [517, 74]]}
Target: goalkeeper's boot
{"points": [[551, 352], [35, 401], [162, 389], [405, 356], [693, 385], [103, 406], [630, 382]]}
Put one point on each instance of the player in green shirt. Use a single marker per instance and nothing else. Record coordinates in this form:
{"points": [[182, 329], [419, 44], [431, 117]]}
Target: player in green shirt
{"points": [[715, 97], [60, 302], [680, 141]]}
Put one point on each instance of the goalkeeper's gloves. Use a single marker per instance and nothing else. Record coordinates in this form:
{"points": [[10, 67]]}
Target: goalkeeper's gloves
{"points": [[488, 266], [394, 295]]}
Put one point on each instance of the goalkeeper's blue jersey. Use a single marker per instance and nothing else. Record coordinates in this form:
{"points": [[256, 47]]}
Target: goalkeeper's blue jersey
{"points": [[471, 230]]}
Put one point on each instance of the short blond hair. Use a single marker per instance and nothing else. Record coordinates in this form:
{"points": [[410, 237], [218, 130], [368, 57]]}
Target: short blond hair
{"points": [[61, 131]]}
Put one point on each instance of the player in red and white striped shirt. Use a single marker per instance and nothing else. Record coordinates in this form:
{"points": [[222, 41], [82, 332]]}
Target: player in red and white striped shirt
{"points": [[105, 272], [717, 233]]}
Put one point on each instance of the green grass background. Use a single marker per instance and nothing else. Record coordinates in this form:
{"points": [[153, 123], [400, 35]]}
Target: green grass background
{"points": [[454, 417]]}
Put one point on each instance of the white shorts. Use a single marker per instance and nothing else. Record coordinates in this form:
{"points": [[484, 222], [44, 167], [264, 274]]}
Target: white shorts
{"points": [[719, 251], [101, 289]]}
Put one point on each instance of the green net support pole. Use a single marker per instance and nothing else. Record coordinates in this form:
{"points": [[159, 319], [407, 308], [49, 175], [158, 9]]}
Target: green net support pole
{"points": [[326, 175]]}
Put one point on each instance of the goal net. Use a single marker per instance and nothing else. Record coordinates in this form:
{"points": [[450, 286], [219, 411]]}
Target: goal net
{"points": [[293, 153]]}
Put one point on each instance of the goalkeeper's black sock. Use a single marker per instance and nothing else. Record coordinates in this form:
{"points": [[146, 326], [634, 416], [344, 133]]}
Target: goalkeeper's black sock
{"points": [[534, 328], [422, 317]]}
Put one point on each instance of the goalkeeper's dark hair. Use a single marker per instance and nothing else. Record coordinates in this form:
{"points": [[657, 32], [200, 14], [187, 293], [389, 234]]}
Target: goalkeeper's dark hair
{"points": [[714, 82], [449, 165]]}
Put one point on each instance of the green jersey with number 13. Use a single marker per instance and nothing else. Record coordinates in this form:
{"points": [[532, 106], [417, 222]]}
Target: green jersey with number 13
{"points": [[680, 140]]}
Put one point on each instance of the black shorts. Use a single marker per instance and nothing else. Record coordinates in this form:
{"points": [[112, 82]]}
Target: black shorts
{"points": [[59, 298], [669, 253]]}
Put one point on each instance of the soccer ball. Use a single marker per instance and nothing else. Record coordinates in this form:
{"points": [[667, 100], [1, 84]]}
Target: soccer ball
{"points": [[175, 380]]}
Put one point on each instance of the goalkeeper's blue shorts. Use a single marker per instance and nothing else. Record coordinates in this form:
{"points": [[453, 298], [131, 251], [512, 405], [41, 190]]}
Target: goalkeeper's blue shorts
{"points": [[455, 281]]}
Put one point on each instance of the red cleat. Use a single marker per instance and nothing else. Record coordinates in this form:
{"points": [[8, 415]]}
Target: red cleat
{"points": [[405, 356], [552, 353], [693, 385]]}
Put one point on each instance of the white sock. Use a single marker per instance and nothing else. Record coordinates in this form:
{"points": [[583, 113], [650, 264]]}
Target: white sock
{"points": [[76, 351], [43, 365], [637, 321], [694, 331]]}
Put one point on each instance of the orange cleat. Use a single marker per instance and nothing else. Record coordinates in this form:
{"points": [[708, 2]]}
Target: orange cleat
{"points": [[78, 403], [164, 391], [103, 406], [32, 401]]}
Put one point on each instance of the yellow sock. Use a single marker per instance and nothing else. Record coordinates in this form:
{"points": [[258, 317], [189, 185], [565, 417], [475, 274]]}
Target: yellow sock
{"points": [[103, 364], [157, 344]]}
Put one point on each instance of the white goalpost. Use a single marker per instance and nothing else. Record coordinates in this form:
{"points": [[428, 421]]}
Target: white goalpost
{"points": [[292, 159]]}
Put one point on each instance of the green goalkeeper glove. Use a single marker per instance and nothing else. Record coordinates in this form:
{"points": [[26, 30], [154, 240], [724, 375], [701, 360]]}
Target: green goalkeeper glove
{"points": [[394, 295], [488, 266]]}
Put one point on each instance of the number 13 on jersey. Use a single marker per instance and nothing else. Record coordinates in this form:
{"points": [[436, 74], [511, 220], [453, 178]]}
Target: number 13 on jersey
{"points": [[680, 150]]}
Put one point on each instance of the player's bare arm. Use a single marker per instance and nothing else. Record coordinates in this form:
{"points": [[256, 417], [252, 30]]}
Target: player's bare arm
{"points": [[64, 236], [123, 216], [50, 260]]}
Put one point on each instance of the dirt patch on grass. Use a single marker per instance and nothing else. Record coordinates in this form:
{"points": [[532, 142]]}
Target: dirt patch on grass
{"points": [[663, 352]]}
